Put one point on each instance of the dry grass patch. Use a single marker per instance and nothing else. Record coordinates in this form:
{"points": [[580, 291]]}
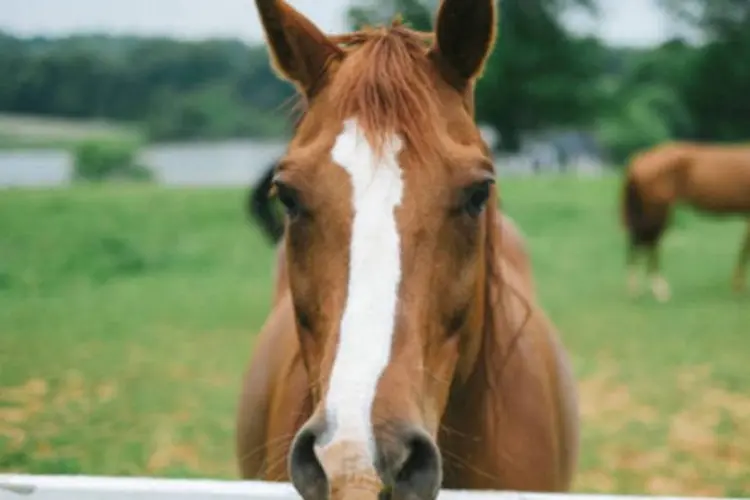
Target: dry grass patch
{"points": [[699, 449]]}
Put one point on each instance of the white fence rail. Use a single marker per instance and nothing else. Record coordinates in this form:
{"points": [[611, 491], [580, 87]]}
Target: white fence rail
{"points": [[21, 487]]}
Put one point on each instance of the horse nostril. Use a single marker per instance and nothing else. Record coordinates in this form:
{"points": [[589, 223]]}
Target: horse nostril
{"points": [[413, 467], [305, 471]]}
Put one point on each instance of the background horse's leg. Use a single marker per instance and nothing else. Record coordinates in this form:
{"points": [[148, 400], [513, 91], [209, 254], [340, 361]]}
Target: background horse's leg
{"points": [[659, 285], [740, 272], [646, 235], [652, 235]]}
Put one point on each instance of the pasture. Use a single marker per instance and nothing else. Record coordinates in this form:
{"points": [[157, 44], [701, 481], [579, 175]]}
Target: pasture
{"points": [[127, 314]]}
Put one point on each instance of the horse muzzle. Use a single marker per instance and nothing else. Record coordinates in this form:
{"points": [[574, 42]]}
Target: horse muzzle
{"points": [[406, 465]]}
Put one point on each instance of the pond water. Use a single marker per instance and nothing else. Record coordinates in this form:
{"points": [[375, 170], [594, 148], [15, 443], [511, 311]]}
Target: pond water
{"points": [[229, 163]]}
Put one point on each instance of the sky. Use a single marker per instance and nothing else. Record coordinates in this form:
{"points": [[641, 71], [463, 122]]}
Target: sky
{"points": [[623, 22]]}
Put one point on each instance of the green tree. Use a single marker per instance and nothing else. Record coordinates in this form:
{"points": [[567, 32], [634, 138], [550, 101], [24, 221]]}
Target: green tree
{"points": [[646, 115], [646, 104], [716, 88], [538, 74]]}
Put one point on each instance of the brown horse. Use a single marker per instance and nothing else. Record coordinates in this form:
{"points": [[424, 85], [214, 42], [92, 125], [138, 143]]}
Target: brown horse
{"points": [[711, 178], [405, 350]]}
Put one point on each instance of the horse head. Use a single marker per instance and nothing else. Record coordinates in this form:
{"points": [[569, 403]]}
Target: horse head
{"points": [[388, 189]]}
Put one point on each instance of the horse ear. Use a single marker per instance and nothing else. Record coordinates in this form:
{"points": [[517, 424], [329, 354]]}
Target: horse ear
{"points": [[464, 36], [300, 52]]}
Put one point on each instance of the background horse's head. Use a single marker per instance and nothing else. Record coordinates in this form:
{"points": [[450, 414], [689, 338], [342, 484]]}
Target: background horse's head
{"points": [[387, 186]]}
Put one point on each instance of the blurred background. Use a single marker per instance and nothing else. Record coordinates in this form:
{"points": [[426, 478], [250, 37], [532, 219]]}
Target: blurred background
{"points": [[132, 282]]}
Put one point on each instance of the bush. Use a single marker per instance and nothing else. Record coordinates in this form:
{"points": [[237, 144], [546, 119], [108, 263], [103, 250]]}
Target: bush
{"points": [[103, 160]]}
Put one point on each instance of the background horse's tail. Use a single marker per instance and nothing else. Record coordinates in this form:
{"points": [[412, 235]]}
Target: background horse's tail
{"points": [[260, 208]]}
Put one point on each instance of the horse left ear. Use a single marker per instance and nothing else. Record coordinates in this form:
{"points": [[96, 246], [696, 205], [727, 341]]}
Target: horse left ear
{"points": [[464, 37], [299, 51]]}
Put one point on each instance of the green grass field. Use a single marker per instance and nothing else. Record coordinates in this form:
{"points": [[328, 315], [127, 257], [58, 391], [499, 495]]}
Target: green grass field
{"points": [[127, 315]]}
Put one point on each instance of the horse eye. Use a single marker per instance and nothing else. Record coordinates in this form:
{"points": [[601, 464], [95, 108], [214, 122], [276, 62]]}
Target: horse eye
{"points": [[476, 198], [289, 198]]}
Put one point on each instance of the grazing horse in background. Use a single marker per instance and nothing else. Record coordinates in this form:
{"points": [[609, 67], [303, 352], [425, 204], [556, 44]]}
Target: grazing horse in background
{"points": [[714, 179], [406, 350]]}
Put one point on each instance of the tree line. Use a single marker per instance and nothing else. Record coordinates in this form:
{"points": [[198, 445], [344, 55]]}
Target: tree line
{"points": [[173, 89], [540, 76]]}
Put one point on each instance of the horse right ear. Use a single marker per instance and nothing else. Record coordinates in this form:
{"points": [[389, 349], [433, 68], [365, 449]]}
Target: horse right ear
{"points": [[300, 52], [464, 37]]}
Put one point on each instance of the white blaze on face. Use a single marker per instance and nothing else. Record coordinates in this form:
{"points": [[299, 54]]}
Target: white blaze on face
{"points": [[367, 324]]}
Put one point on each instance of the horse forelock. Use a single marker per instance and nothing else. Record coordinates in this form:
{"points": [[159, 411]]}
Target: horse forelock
{"points": [[388, 83]]}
